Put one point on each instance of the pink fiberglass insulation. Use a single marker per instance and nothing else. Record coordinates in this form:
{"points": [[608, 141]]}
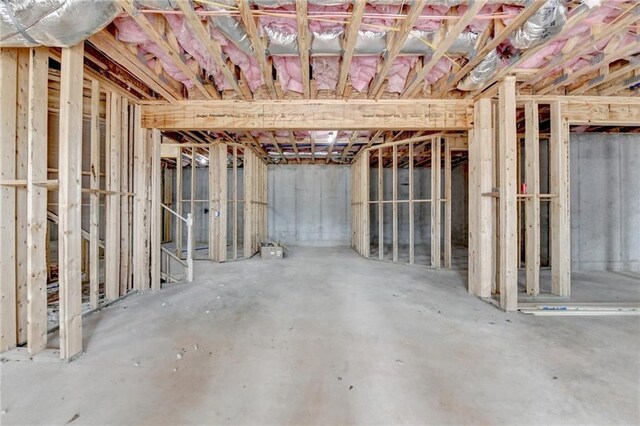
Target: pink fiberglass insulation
{"points": [[130, 32], [188, 41], [398, 73], [432, 23], [289, 72], [479, 25], [362, 70], [324, 24], [325, 71], [442, 67], [384, 20], [248, 64]]}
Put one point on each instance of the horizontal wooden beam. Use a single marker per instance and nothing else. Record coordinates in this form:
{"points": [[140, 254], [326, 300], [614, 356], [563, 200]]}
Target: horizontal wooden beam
{"points": [[399, 114]]}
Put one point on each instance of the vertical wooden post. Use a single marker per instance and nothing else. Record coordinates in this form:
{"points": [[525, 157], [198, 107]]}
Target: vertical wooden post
{"points": [[364, 196], [447, 202], [156, 193], [234, 222], [22, 124], [559, 211], [508, 195], [532, 204], [481, 223], [112, 241], [380, 206], [94, 198], [394, 193], [37, 201], [435, 201], [123, 198], [192, 186], [179, 193], [412, 241], [218, 168], [8, 78], [70, 199], [140, 264], [214, 199], [248, 202]]}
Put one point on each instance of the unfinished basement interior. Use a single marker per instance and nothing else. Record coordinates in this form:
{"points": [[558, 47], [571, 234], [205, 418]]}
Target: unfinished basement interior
{"points": [[320, 212]]}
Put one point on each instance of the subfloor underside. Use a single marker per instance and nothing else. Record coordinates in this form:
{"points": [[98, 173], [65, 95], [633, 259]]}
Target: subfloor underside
{"points": [[325, 336]]}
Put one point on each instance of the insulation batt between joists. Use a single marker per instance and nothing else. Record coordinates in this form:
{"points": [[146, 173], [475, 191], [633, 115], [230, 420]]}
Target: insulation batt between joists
{"points": [[280, 31]]}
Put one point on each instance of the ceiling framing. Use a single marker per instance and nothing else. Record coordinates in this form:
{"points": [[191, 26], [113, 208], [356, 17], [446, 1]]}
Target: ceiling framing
{"points": [[614, 70]]}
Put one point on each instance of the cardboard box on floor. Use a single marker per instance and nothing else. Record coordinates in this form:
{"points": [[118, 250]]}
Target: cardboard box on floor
{"points": [[272, 252]]}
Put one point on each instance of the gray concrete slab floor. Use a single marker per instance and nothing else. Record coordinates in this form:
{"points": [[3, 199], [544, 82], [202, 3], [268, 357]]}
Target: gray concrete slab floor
{"points": [[325, 336]]}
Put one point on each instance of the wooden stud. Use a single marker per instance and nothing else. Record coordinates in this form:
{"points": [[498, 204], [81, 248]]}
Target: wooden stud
{"points": [[156, 193], [124, 200], [436, 197], [94, 198], [559, 205], [179, 200], [447, 203], [481, 215], [532, 204], [249, 176], [380, 206], [70, 199], [412, 248], [112, 241], [507, 203], [364, 186], [8, 79], [394, 153], [141, 220], [234, 219], [22, 124], [37, 202]]}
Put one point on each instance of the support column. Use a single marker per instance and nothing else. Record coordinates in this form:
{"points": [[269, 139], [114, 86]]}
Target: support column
{"points": [[141, 220], [218, 184], [8, 79], [447, 203], [508, 196], [248, 202], [70, 201], [94, 198], [559, 211], [394, 192], [156, 223], [37, 201], [435, 202], [532, 204], [112, 240], [380, 205], [364, 179]]}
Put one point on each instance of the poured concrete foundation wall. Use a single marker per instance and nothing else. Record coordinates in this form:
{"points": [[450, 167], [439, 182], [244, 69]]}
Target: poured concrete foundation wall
{"points": [[605, 202], [310, 204]]}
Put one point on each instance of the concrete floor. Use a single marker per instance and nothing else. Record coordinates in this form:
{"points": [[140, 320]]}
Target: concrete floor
{"points": [[325, 336]]}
